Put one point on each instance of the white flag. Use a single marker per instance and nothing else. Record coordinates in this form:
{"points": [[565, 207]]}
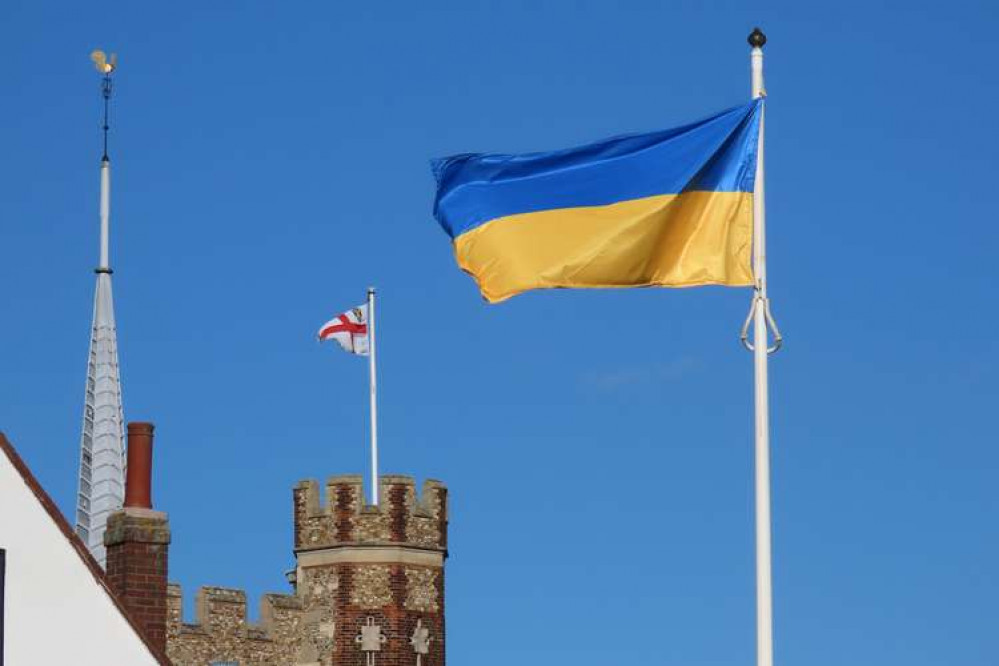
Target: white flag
{"points": [[350, 329]]}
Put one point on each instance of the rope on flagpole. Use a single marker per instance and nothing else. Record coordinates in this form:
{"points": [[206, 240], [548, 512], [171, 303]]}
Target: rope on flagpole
{"points": [[771, 325]]}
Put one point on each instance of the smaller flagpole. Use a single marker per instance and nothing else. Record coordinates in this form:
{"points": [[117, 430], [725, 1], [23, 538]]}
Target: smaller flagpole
{"points": [[374, 395]]}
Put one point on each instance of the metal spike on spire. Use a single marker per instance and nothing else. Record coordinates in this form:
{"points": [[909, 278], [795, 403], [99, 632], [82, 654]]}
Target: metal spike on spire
{"points": [[102, 445]]}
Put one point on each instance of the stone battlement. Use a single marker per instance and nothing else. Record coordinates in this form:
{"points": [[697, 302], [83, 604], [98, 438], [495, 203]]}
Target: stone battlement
{"points": [[369, 580], [402, 518], [220, 631]]}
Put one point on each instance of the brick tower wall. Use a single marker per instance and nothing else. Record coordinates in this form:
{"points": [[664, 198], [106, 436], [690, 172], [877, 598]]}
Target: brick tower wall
{"points": [[364, 565]]}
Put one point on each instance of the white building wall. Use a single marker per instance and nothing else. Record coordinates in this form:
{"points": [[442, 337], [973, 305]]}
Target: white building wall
{"points": [[56, 611]]}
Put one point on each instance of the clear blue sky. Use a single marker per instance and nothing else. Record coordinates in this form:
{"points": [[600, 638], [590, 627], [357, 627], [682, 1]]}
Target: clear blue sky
{"points": [[271, 160]]}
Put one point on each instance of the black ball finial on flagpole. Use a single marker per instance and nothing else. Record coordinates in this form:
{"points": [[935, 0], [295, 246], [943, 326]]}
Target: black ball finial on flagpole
{"points": [[757, 39]]}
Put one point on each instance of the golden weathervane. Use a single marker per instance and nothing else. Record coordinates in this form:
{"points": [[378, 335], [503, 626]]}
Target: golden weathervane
{"points": [[103, 64]]}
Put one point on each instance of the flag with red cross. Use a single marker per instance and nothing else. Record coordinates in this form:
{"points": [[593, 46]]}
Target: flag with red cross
{"points": [[349, 329]]}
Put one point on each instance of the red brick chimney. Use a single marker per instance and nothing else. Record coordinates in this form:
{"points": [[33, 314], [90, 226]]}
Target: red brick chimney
{"points": [[137, 541]]}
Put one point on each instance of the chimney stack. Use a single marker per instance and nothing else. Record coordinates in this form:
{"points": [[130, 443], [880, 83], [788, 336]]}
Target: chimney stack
{"points": [[138, 479], [137, 541]]}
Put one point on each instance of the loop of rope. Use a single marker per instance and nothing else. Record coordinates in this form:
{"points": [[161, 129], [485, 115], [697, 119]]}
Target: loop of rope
{"points": [[744, 333], [771, 326]]}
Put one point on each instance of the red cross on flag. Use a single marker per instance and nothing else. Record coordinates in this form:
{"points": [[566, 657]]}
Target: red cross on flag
{"points": [[350, 329]]}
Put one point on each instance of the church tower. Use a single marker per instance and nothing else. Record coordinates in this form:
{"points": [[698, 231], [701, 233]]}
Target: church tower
{"points": [[102, 451], [371, 578]]}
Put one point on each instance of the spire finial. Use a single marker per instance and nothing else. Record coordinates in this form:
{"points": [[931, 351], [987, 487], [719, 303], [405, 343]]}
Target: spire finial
{"points": [[757, 39], [105, 66]]}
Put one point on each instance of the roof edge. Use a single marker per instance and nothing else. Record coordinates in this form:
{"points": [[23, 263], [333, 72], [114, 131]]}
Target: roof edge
{"points": [[81, 549]]}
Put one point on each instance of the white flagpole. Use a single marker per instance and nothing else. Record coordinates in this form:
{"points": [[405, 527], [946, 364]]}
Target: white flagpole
{"points": [[374, 396], [764, 584]]}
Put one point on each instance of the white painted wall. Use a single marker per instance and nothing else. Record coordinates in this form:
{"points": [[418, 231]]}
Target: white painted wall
{"points": [[56, 612]]}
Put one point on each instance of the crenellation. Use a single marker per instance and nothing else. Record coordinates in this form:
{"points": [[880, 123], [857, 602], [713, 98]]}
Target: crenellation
{"points": [[221, 632], [428, 525], [280, 614], [305, 495], [371, 525], [221, 610], [402, 517], [273, 602]]}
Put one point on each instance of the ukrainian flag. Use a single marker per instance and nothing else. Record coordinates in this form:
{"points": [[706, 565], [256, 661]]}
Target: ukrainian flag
{"points": [[671, 208]]}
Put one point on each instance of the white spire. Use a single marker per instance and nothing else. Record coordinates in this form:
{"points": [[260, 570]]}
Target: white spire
{"points": [[102, 446]]}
